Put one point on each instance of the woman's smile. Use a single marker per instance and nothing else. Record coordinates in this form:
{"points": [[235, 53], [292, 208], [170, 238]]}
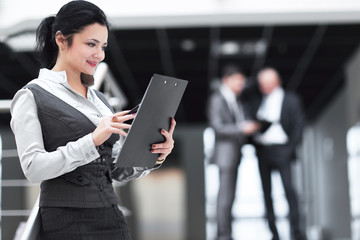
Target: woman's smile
{"points": [[92, 63]]}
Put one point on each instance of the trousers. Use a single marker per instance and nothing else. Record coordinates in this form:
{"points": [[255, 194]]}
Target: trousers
{"points": [[225, 200], [271, 158]]}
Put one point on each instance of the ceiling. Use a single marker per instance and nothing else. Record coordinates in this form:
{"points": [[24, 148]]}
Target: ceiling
{"points": [[310, 59]]}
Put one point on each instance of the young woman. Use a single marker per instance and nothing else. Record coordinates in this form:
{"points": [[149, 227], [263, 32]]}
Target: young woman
{"points": [[67, 135]]}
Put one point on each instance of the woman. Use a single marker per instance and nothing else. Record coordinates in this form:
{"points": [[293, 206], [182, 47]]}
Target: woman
{"points": [[67, 135]]}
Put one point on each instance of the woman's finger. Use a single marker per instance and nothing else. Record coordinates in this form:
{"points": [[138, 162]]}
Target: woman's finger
{"points": [[124, 118], [162, 145], [122, 113], [119, 131], [162, 156], [172, 127], [166, 134], [165, 151], [120, 125]]}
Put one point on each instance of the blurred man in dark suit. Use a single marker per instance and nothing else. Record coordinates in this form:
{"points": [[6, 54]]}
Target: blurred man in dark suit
{"points": [[282, 117], [227, 116]]}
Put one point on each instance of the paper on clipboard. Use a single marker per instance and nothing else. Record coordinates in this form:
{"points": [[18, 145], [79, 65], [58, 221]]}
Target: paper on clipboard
{"points": [[159, 104]]}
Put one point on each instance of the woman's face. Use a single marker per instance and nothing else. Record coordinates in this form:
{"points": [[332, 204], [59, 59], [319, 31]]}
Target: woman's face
{"points": [[87, 49]]}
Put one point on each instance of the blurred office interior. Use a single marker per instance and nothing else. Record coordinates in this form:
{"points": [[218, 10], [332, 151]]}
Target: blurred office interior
{"points": [[313, 44]]}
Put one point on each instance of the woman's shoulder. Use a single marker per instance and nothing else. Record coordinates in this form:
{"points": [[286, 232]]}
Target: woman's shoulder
{"points": [[34, 81], [44, 80], [24, 93], [26, 89], [23, 97]]}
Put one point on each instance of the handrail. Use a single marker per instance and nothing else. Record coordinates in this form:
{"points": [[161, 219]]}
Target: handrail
{"points": [[5, 105], [32, 227], [17, 183], [103, 76], [0, 184]]}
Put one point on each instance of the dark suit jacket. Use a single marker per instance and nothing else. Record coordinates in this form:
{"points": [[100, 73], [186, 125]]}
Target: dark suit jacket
{"points": [[228, 136], [291, 119]]}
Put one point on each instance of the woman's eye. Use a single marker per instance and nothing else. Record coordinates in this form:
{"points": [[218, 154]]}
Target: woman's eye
{"points": [[104, 48], [91, 44]]}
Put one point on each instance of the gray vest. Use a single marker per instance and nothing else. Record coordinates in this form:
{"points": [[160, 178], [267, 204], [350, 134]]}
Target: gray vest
{"points": [[88, 186]]}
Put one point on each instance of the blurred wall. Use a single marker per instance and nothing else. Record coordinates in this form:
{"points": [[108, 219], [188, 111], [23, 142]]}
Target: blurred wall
{"points": [[191, 147], [353, 89], [325, 154], [326, 170]]}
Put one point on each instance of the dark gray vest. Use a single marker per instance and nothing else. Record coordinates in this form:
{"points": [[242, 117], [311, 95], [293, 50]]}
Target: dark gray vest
{"points": [[87, 186]]}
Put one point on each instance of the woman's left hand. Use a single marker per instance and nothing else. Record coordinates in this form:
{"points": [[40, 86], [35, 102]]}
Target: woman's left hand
{"points": [[165, 148]]}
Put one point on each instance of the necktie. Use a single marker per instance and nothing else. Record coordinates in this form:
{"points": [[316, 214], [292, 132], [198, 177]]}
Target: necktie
{"points": [[237, 111]]}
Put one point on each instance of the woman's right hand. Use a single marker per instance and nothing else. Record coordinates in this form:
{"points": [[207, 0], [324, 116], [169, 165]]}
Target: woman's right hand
{"points": [[111, 124]]}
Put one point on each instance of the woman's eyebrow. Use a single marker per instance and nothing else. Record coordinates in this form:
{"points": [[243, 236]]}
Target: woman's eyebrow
{"points": [[97, 41]]}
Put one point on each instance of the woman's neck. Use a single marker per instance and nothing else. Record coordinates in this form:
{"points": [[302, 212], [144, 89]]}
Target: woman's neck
{"points": [[73, 79]]}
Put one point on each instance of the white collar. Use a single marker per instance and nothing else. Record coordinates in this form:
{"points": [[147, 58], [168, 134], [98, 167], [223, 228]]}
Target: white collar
{"points": [[271, 105], [58, 77], [278, 92], [228, 94]]}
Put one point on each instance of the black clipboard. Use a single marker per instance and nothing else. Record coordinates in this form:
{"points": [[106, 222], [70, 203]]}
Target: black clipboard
{"points": [[158, 105], [264, 125]]}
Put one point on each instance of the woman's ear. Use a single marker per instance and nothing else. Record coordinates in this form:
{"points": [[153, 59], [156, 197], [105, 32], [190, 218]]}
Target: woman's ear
{"points": [[60, 40]]}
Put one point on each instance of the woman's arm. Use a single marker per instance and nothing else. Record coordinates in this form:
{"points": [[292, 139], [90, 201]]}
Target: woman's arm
{"points": [[38, 164]]}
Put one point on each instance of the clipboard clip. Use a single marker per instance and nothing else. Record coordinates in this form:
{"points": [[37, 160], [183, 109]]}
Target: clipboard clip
{"points": [[175, 84]]}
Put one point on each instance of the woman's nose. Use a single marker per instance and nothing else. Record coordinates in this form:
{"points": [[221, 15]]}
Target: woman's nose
{"points": [[100, 54]]}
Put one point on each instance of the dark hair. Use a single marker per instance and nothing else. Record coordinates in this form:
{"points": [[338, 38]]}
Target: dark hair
{"points": [[232, 69], [72, 18]]}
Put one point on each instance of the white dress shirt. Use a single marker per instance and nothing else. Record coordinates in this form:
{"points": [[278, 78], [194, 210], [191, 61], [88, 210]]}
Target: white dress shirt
{"points": [[231, 100], [38, 164], [270, 110]]}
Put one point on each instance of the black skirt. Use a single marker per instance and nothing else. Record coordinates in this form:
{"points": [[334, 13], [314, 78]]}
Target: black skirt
{"points": [[59, 223]]}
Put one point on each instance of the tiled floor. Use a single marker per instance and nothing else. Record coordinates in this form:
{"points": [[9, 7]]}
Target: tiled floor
{"points": [[248, 210], [251, 229]]}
